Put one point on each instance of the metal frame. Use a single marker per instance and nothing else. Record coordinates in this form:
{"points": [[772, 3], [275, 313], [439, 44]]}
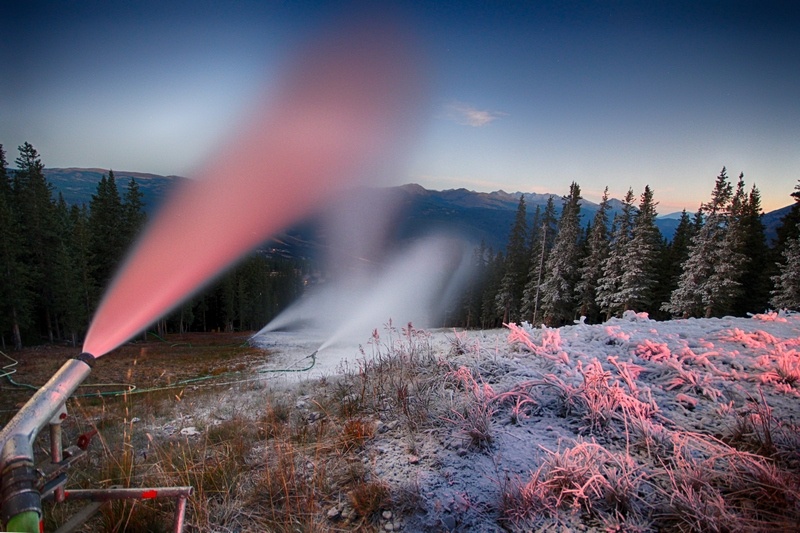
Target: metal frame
{"points": [[24, 485]]}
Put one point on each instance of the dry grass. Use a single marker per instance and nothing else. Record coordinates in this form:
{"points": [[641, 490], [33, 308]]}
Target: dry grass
{"points": [[303, 458]]}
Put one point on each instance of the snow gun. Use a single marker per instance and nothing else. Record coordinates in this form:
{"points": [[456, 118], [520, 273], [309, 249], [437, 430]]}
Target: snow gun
{"points": [[24, 484]]}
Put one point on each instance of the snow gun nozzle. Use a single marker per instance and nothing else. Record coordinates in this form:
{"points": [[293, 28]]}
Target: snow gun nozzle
{"points": [[87, 358]]}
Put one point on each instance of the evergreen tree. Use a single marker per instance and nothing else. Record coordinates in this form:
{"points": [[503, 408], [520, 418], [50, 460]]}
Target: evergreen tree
{"points": [[108, 235], [608, 286], [756, 272], [36, 214], [673, 255], [489, 315], [471, 302], [540, 250], [512, 284], [535, 228], [16, 299], [786, 232], [82, 259], [69, 314], [709, 280], [134, 216], [786, 294], [597, 248], [788, 229], [641, 256], [558, 288]]}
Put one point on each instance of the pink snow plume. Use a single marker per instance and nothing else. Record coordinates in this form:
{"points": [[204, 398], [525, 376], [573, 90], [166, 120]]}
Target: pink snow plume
{"points": [[341, 112]]}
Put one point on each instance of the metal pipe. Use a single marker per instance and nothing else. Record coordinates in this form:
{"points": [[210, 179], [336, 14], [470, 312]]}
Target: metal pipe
{"points": [[118, 493], [18, 494], [56, 447], [180, 514]]}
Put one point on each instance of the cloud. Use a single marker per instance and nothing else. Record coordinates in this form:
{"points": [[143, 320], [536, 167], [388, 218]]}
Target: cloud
{"points": [[468, 115]]}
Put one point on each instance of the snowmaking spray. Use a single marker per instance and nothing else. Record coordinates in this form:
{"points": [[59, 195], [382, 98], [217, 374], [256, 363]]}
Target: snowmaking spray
{"points": [[346, 105], [377, 271]]}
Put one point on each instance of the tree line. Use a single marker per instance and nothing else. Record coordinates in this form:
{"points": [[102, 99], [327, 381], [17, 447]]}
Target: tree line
{"points": [[718, 262], [56, 260]]}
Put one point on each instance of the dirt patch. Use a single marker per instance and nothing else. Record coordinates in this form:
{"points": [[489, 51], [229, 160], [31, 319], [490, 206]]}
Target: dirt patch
{"points": [[157, 362]]}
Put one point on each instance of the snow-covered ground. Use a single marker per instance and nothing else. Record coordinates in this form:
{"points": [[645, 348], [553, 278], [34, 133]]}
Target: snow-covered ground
{"points": [[631, 399]]}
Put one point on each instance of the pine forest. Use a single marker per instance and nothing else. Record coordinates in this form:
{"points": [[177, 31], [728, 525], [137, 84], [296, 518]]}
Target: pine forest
{"points": [[57, 259]]}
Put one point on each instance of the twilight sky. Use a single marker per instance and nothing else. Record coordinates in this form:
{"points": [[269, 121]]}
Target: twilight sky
{"points": [[524, 96]]}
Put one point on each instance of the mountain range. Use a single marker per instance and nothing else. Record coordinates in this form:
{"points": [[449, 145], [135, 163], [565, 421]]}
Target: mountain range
{"points": [[477, 216]]}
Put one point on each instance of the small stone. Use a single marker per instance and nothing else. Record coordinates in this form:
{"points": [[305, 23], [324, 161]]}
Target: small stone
{"points": [[393, 424], [388, 526], [334, 513], [190, 431], [413, 459], [448, 522], [387, 515]]}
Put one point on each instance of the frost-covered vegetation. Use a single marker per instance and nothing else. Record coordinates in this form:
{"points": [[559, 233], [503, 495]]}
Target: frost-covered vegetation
{"points": [[632, 425]]}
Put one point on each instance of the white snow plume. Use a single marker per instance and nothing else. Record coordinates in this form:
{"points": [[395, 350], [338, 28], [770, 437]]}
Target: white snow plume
{"points": [[371, 283], [416, 285]]}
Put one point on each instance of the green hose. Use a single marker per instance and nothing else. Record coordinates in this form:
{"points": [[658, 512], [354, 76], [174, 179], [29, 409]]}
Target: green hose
{"points": [[26, 522]]}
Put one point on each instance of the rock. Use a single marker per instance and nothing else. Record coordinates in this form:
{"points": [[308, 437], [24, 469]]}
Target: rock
{"points": [[190, 431], [387, 515], [413, 459], [448, 522], [334, 513], [388, 526], [393, 424]]}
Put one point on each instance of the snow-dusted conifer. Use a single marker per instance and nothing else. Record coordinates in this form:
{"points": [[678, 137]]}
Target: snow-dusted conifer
{"points": [[592, 264], [640, 258], [786, 294], [673, 256], [512, 285], [756, 272], [494, 274], [558, 288], [790, 223], [709, 279], [614, 266], [540, 251]]}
